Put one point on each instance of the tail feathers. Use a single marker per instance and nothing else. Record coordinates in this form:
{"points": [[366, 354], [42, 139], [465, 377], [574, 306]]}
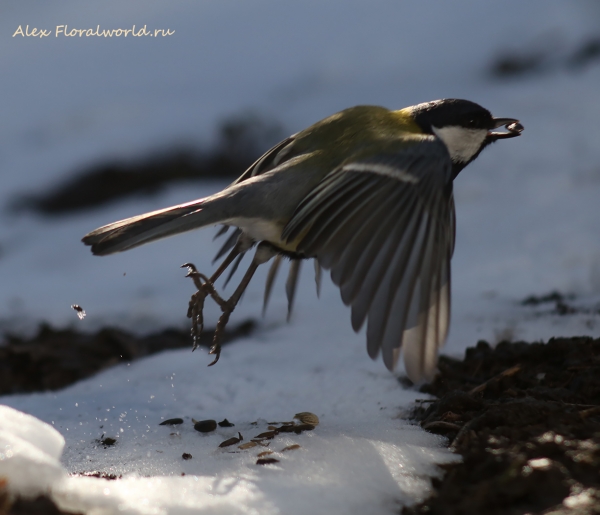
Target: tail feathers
{"points": [[138, 230]]}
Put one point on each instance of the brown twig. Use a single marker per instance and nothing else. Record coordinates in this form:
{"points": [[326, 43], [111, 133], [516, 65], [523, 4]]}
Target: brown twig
{"points": [[507, 373]]}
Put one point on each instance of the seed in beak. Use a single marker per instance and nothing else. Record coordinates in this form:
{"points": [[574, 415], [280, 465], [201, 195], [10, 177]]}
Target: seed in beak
{"points": [[515, 127]]}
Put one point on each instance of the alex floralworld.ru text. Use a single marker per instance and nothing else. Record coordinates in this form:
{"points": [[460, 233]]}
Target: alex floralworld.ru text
{"points": [[65, 30]]}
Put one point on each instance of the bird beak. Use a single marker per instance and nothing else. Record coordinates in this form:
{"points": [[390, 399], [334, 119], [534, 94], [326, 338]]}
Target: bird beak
{"points": [[512, 126]]}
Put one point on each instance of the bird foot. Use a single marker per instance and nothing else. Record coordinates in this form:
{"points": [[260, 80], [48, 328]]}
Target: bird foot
{"points": [[206, 287], [196, 305], [215, 348]]}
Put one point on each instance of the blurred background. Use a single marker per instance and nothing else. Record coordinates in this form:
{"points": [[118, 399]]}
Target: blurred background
{"points": [[95, 129]]}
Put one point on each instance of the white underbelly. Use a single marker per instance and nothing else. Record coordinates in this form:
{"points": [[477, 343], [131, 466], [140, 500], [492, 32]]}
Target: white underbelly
{"points": [[259, 229]]}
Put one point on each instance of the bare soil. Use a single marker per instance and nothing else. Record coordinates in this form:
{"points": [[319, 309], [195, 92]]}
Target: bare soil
{"points": [[526, 419]]}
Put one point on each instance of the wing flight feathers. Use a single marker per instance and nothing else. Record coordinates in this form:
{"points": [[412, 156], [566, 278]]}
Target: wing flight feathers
{"points": [[385, 228]]}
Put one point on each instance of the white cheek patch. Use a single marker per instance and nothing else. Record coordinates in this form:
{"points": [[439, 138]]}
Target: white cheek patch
{"points": [[462, 144]]}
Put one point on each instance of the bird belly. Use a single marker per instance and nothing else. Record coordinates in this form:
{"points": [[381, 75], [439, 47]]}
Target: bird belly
{"points": [[260, 229]]}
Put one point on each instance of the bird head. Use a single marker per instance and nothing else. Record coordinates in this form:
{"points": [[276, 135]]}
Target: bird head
{"points": [[464, 127]]}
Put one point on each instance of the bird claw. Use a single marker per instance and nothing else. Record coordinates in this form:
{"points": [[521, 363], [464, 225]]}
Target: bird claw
{"points": [[196, 304], [205, 286], [216, 350], [197, 277], [227, 307], [196, 309], [195, 312], [216, 357]]}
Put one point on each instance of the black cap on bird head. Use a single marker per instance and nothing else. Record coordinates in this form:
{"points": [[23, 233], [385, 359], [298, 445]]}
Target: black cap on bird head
{"points": [[465, 127]]}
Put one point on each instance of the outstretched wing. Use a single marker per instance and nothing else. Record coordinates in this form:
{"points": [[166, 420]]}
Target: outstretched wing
{"points": [[384, 225]]}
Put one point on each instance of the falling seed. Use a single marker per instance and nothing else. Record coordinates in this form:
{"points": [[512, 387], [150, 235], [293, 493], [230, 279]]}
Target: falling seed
{"points": [[79, 310], [205, 426], [186, 456], [307, 418], [247, 445], [264, 453], [171, 422]]}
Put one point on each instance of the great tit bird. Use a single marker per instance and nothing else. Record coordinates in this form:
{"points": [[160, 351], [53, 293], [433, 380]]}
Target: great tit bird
{"points": [[367, 193]]}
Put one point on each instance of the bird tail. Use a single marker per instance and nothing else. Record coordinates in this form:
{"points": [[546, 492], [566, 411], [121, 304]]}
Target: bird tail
{"points": [[138, 230]]}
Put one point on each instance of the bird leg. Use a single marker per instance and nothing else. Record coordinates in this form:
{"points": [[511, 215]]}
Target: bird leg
{"points": [[264, 252], [206, 287]]}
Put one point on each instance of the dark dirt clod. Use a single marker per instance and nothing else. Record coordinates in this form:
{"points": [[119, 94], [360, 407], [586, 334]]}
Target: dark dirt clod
{"points": [[530, 439], [225, 423], [41, 505], [186, 456], [56, 358]]}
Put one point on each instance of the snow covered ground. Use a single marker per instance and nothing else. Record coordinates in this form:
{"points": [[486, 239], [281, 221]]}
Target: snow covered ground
{"points": [[527, 224]]}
